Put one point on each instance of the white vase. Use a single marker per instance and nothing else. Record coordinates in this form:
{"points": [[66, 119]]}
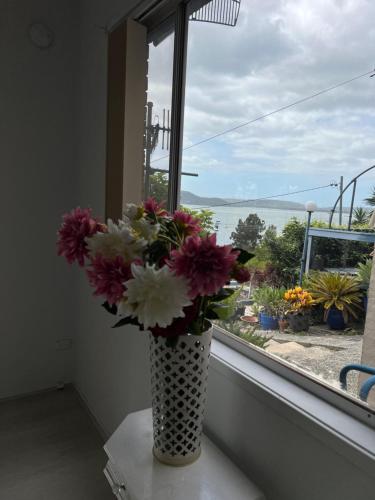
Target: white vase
{"points": [[179, 385]]}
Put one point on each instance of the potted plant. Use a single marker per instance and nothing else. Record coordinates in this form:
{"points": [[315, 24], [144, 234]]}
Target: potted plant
{"points": [[299, 303], [340, 295], [157, 271], [364, 275], [268, 298], [282, 310], [240, 306], [253, 317]]}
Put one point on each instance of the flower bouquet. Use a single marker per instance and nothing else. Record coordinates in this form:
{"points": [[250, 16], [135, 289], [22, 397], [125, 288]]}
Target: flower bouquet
{"points": [[161, 272]]}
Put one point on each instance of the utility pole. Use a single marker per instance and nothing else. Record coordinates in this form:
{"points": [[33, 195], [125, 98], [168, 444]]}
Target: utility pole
{"points": [[340, 202], [151, 141], [148, 149]]}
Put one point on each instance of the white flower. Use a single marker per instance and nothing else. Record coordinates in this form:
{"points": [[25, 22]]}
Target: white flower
{"points": [[154, 296], [132, 212], [142, 227], [145, 229], [119, 240]]}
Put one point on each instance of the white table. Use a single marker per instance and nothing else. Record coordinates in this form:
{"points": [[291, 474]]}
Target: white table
{"points": [[134, 474]]}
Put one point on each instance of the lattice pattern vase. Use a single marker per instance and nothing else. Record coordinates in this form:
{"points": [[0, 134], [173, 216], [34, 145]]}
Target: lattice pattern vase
{"points": [[179, 384]]}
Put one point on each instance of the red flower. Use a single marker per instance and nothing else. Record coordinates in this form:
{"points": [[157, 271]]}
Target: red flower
{"points": [[76, 227], [205, 264], [107, 276], [240, 273], [179, 326], [152, 207], [186, 223]]}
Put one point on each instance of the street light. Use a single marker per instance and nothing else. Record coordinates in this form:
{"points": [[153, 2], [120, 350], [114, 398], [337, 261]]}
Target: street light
{"points": [[310, 207]]}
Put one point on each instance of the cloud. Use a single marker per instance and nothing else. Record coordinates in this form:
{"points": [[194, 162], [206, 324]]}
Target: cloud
{"points": [[279, 52]]}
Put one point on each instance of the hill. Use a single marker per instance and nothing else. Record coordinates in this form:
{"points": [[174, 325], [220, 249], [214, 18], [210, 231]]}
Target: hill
{"points": [[188, 198]]}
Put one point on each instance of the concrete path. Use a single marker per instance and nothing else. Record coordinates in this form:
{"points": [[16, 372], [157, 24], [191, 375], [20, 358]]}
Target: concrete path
{"points": [[318, 352]]}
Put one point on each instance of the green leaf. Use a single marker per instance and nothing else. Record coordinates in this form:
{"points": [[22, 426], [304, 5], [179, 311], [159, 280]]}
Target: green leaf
{"points": [[172, 342], [211, 314], [157, 250], [195, 327], [244, 256], [223, 311], [223, 294], [112, 309], [126, 321]]}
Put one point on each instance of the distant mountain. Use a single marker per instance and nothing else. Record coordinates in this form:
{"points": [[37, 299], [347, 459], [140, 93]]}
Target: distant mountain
{"points": [[287, 205], [188, 198]]}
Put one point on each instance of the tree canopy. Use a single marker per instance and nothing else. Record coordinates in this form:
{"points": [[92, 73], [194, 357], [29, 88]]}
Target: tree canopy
{"points": [[248, 233], [159, 191], [159, 187], [361, 216], [371, 199]]}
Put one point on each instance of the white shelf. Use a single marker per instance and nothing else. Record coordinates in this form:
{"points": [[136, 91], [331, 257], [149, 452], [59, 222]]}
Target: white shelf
{"points": [[135, 474]]}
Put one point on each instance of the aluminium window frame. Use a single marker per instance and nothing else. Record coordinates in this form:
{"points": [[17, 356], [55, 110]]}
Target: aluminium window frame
{"points": [[299, 377], [339, 399], [178, 105]]}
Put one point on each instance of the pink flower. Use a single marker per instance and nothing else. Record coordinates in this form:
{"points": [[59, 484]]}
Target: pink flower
{"points": [[76, 227], [241, 274], [152, 207], [107, 276], [186, 223], [205, 264]]}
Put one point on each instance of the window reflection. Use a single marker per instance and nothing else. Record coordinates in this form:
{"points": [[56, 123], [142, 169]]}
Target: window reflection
{"points": [[157, 121]]}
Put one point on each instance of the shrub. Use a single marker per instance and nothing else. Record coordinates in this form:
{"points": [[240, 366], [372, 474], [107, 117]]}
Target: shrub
{"points": [[364, 273], [299, 300], [248, 335], [334, 290], [268, 298], [284, 252], [205, 217]]}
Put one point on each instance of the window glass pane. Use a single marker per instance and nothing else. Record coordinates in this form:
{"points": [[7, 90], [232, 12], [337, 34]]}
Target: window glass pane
{"points": [[158, 117], [278, 108]]}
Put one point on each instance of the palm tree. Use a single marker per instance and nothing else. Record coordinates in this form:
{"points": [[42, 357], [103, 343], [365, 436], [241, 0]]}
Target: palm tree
{"points": [[361, 216], [371, 199]]}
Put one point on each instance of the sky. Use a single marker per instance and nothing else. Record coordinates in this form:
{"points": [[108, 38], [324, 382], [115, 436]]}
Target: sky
{"points": [[279, 51]]}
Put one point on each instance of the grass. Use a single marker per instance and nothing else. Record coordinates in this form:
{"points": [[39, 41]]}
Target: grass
{"points": [[245, 333]]}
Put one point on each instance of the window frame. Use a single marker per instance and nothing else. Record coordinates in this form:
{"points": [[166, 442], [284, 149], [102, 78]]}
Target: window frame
{"points": [[180, 10], [303, 379]]}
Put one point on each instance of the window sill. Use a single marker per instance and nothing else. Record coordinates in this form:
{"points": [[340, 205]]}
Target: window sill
{"points": [[335, 428]]}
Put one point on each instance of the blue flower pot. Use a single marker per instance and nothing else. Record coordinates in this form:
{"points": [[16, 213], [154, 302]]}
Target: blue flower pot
{"points": [[268, 322], [335, 319]]}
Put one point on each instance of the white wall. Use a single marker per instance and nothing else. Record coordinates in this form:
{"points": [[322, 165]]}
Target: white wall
{"points": [[287, 461], [37, 143], [111, 368]]}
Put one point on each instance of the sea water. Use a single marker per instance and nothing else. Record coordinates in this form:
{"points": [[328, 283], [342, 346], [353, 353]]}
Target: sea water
{"points": [[226, 218]]}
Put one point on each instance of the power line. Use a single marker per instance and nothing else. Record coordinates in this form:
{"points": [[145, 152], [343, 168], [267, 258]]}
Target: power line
{"points": [[220, 225], [332, 184], [283, 108]]}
